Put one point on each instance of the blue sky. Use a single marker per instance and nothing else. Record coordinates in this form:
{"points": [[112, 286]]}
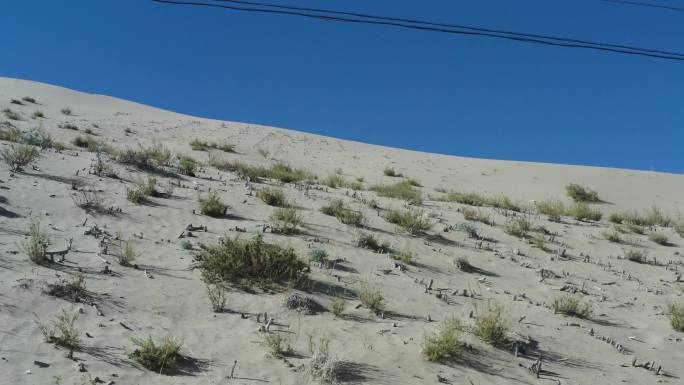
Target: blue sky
{"points": [[467, 96]]}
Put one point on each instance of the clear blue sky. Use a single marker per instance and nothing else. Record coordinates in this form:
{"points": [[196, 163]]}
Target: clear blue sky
{"points": [[426, 91]]}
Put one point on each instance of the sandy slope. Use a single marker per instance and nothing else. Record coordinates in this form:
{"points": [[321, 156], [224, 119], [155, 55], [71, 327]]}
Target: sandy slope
{"points": [[375, 350]]}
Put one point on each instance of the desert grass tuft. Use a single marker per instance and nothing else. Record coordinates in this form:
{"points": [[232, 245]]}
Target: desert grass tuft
{"points": [[676, 314], [287, 219], [553, 209], [212, 206], [411, 221], [18, 156], [372, 298], [583, 212], [518, 227], [37, 242], [445, 343], [571, 306], [344, 214], [659, 238], [63, 331], [580, 193], [491, 326], [401, 190], [273, 197], [156, 357]]}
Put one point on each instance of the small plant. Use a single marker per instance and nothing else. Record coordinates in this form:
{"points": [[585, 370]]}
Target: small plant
{"points": [[156, 357], [613, 236], [338, 305], [389, 171], [278, 344], [318, 255], [287, 219], [571, 306], [637, 256], [145, 158], [186, 245], [273, 197], [88, 143], [63, 331], [445, 343], [490, 326], [239, 262], [18, 156], [11, 114], [579, 193], [263, 152], [368, 241], [553, 209], [128, 131], [29, 99], [679, 228], [66, 111], [659, 238], [344, 214], [37, 243], [73, 290], [469, 229], [676, 314], [405, 257], [414, 182], [372, 299], [463, 264], [38, 114], [126, 254], [217, 297], [187, 165], [212, 206], [582, 212], [401, 190], [323, 366], [334, 181], [477, 215], [518, 227], [413, 222], [137, 195]]}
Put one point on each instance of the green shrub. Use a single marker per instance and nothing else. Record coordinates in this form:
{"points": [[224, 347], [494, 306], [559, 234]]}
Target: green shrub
{"points": [[413, 222], [344, 214], [186, 245], [278, 344], [368, 241], [244, 262], [136, 195], [38, 137], [126, 254], [637, 256], [10, 133], [38, 114], [582, 212], [405, 257], [337, 306], [476, 215], [490, 326], [679, 228], [444, 344], [676, 315], [475, 199], [212, 206], [156, 357], [29, 99], [355, 185], [146, 157], [10, 114], [518, 227], [652, 217], [571, 306], [401, 190], [613, 236], [63, 331], [334, 181], [469, 229], [318, 255], [37, 243], [200, 145], [372, 299], [287, 219], [217, 297], [389, 171], [18, 156], [273, 197], [414, 182], [659, 238], [579, 193], [553, 209], [66, 111], [88, 143], [187, 165], [463, 265]]}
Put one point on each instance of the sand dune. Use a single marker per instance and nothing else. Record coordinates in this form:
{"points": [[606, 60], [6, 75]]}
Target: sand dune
{"points": [[162, 295]]}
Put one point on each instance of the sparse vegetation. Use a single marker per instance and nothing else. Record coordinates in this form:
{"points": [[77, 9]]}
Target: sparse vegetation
{"points": [[475, 199], [29, 99], [11, 114], [88, 143], [469, 229], [200, 145], [18, 156], [287, 219], [579, 193], [463, 265], [676, 314], [217, 297], [613, 236], [413, 222], [368, 241], [279, 171], [156, 357], [278, 344], [445, 343], [137, 194], [273, 197], [339, 210], [491, 326], [553, 209], [246, 262], [318, 255], [187, 165], [659, 238], [582, 212], [323, 366], [389, 171], [637, 256], [126, 254], [679, 228], [372, 299], [212, 206], [146, 157], [66, 111], [335, 181], [653, 216], [477, 215], [518, 227], [37, 242], [571, 306], [401, 190], [63, 331], [338, 305], [38, 114], [405, 257], [68, 126]]}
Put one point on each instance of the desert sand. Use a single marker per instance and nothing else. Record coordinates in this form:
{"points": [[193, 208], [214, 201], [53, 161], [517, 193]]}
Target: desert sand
{"points": [[627, 338]]}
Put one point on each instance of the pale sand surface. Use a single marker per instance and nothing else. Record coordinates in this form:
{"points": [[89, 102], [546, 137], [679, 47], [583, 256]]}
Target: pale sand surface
{"points": [[375, 350]]}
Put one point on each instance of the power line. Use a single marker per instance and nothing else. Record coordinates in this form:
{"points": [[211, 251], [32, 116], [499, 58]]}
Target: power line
{"points": [[649, 5], [351, 17]]}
